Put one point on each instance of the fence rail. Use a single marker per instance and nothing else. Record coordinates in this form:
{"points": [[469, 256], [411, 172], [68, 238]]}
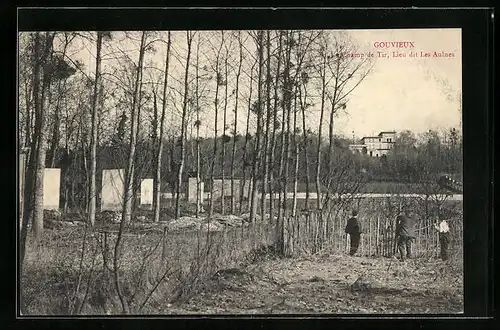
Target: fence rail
{"points": [[312, 231]]}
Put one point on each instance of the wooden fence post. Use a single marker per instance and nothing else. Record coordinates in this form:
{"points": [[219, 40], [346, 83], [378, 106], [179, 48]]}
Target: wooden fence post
{"points": [[369, 237], [436, 249], [417, 245], [104, 239], [363, 245], [164, 245], [384, 238]]}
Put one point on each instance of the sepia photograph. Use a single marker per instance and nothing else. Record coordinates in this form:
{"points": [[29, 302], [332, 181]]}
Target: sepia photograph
{"points": [[240, 172]]}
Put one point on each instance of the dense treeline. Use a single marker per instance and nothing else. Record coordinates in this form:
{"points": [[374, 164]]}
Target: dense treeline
{"points": [[407, 164]]}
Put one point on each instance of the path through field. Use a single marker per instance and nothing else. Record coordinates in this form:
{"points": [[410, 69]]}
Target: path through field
{"points": [[322, 284]]}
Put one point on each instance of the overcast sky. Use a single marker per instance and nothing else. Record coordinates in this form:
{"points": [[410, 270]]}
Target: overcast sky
{"points": [[408, 93]]}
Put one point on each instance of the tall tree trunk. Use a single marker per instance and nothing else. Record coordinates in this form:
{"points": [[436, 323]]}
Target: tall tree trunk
{"points": [[159, 151], [171, 167], [154, 144], [305, 147], [329, 225], [296, 160], [256, 154], [183, 127], [233, 206], [129, 176], [332, 115], [273, 138], [57, 121], [29, 117], [93, 134], [223, 153], [216, 105], [199, 193], [55, 136], [31, 168], [285, 128], [245, 147], [268, 122], [320, 129], [282, 192], [288, 106], [136, 179], [41, 134]]}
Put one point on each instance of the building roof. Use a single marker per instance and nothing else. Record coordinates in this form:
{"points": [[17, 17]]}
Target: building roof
{"points": [[379, 135], [387, 132]]}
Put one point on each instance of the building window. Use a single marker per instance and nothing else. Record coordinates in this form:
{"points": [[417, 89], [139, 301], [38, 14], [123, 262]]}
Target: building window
{"points": [[371, 153]]}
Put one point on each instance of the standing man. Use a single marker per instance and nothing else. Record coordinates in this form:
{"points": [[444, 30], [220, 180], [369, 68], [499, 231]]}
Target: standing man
{"points": [[444, 237], [405, 233], [353, 228]]}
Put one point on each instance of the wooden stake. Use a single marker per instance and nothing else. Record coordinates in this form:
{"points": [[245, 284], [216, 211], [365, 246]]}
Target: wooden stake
{"points": [[377, 236], [369, 236]]}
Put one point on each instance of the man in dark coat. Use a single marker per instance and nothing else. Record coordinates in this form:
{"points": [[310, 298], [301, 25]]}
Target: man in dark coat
{"points": [[405, 233], [353, 228]]}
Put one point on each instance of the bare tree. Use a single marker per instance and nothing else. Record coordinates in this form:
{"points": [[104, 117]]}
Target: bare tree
{"points": [[197, 124], [218, 79], [31, 169], [246, 155], [189, 38], [285, 129], [303, 100], [275, 127], [61, 84], [296, 158], [159, 152], [43, 62], [347, 73], [267, 127], [235, 127], [225, 137], [129, 174], [321, 67], [93, 135], [257, 147]]}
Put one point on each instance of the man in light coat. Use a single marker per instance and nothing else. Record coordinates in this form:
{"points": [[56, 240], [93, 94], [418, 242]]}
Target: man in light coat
{"points": [[444, 237]]}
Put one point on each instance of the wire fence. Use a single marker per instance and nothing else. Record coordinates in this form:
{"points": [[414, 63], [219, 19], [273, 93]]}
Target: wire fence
{"points": [[312, 231]]}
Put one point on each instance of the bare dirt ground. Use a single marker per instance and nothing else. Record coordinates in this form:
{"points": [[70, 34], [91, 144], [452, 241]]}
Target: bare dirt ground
{"points": [[324, 284]]}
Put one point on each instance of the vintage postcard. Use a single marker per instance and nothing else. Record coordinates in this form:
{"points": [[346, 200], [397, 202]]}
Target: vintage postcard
{"points": [[240, 172]]}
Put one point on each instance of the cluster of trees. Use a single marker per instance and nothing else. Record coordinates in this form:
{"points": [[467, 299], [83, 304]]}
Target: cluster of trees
{"points": [[148, 97], [218, 104], [419, 158]]}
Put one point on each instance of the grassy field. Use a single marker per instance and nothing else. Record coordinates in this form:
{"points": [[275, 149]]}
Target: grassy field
{"points": [[236, 271], [62, 275], [239, 280], [324, 283]]}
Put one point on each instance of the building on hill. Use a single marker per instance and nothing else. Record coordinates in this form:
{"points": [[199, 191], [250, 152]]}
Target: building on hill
{"points": [[375, 146]]}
